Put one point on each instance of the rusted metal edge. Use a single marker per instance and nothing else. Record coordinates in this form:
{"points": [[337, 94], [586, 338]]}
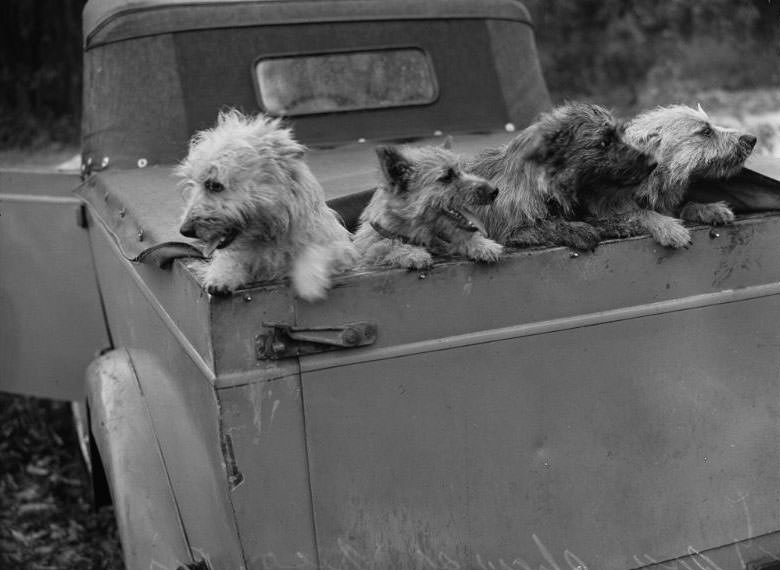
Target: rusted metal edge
{"points": [[333, 360]]}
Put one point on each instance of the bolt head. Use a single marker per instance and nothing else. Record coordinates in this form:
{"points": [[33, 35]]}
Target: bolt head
{"points": [[350, 337]]}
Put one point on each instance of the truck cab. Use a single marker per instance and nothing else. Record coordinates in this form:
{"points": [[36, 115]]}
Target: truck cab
{"points": [[613, 410]]}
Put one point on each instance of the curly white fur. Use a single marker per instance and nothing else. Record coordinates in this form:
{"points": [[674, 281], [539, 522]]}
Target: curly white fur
{"points": [[251, 190]]}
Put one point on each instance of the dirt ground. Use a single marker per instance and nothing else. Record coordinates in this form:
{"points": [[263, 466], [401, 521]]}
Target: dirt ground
{"points": [[46, 520]]}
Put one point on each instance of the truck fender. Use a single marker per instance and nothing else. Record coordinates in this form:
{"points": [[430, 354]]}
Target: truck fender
{"points": [[150, 527]]}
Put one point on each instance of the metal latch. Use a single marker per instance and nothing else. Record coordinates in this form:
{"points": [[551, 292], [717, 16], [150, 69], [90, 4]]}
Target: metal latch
{"points": [[283, 341]]}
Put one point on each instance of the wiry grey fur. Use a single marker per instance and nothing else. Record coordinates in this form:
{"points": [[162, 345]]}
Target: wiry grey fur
{"points": [[687, 146], [545, 169], [424, 206], [256, 204]]}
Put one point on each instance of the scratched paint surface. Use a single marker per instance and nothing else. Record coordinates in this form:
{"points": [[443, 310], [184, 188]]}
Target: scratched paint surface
{"points": [[578, 446], [272, 503]]}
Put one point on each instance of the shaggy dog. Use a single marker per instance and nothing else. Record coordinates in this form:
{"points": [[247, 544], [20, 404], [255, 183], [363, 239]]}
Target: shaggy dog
{"points": [[545, 169], [425, 206], [687, 147], [259, 209]]}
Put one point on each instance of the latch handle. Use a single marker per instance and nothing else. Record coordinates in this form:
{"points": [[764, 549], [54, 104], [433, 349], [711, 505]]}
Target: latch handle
{"points": [[284, 340]]}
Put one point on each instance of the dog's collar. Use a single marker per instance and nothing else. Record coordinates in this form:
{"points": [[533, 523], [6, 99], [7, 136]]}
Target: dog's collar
{"points": [[387, 234]]}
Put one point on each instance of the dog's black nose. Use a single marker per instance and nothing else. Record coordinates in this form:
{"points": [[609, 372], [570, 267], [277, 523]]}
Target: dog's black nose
{"points": [[187, 229], [748, 140]]}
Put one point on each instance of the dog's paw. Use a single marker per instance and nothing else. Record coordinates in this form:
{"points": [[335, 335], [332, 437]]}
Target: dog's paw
{"points": [[217, 281], [217, 289], [311, 291], [415, 259], [617, 228], [717, 214], [578, 235], [673, 234], [486, 250]]}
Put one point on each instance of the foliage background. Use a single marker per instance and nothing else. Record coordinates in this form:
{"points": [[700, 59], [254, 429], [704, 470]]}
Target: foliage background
{"points": [[626, 54], [632, 54]]}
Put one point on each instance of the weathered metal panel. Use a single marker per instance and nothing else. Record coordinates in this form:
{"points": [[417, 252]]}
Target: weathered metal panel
{"points": [[272, 500], [51, 321], [147, 515], [534, 286], [637, 437], [176, 382]]}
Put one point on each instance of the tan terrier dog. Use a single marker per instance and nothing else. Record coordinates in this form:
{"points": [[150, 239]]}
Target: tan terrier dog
{"points": [[259, 209], [687, 147], [424, 207]]}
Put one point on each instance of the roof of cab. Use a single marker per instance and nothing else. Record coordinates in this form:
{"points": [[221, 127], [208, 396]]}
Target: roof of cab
{"points": [[108, 21]]}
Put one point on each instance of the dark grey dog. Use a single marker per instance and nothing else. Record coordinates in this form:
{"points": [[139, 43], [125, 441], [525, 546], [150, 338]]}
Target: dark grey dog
{"points": [[543, 172]]}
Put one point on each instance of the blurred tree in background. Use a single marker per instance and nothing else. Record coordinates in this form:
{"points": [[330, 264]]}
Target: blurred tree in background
{"points": [[631, 54], [40, 72], [627, 54]]}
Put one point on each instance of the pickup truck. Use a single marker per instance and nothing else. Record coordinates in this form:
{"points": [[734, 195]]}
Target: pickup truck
{"points": [[611, 410]]}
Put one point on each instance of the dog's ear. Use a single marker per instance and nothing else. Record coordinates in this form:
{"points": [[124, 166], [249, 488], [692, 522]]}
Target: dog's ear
{"points": [[447, 144], [542, 143], [395, 166]]}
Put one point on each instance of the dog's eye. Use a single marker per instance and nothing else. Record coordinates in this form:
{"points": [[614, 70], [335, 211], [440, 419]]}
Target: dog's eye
{"points": [[448, 176], [213, 185], [604, 143], [706, 132]]}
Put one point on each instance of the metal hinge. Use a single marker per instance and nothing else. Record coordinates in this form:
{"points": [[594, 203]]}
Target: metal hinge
{"points": [[283, 341]]}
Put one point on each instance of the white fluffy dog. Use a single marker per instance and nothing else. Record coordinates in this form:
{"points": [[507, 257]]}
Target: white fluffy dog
{"points": [[259, 209]]}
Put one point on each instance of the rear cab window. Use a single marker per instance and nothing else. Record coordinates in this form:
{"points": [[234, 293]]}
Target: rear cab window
{"points": [[348, 81]]}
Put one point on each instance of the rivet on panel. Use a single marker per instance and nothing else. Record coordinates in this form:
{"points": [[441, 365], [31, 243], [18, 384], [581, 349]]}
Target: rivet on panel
{"points": [[714, 233], [247, 298], [573, 254], [142, 162]]}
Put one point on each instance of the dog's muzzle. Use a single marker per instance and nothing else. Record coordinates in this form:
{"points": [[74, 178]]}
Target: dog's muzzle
{"points": [[748, 141], [214, 240]]}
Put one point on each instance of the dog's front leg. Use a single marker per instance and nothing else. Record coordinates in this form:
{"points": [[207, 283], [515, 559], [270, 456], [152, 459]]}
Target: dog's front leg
{"points": [[480, 248], [576, 235], [224, 273], [310, 272], [665, 230], [408, 256], [714, 213]]}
